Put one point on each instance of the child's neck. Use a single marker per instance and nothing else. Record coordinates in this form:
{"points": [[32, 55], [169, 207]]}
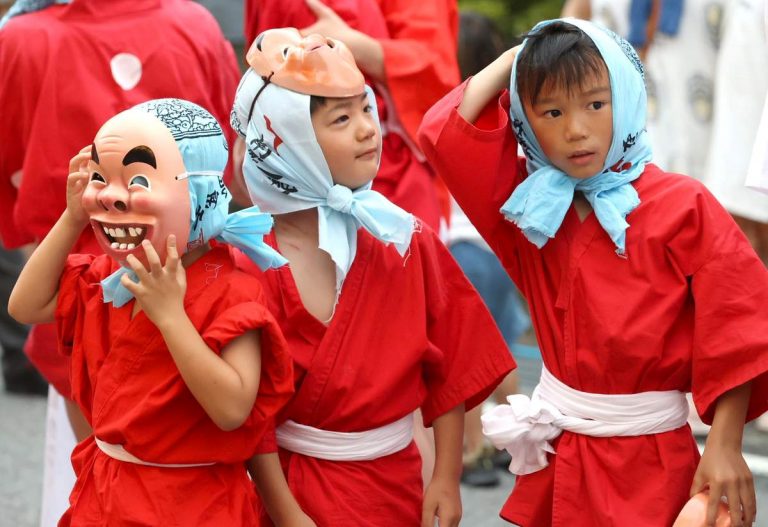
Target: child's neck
{"points": [[298, 224], [313, 271], [582, 206], [192, 256]]}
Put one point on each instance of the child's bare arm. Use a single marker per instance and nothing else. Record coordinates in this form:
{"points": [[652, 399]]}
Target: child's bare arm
{"points": [[33, 299], [722, 468], [225, 386], [270, 481], [577, 9], [487, 85], [442, 498]]}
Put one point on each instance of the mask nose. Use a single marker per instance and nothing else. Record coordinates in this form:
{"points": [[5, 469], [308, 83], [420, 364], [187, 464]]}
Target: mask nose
{"points": [[313, 41], [112, 198]]}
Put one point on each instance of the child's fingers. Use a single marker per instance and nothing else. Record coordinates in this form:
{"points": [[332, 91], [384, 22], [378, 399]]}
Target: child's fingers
{"points": [[129, 284], [318, 8], [172, 255], [748, 501], [76, 182], [154, 260], [80, 160], [427, 515], [715, 492], [137, 267], [697, 485], [734, 504], [77, 176]]}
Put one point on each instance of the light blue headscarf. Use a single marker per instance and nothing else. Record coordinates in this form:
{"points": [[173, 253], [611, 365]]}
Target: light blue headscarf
{"points": [[285, 171], [204, 152], [539, 204], [22, 7]]}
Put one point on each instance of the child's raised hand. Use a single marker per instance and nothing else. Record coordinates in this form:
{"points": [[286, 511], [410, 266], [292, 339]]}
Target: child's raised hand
{"points": [[160, 290], [487, 85], [328, 23], [442, 500], [724, 472], [76, 182], [79, 163]]}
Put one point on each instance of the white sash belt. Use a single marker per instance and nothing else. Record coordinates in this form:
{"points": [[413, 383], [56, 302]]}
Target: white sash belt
{"points": [[525, 426], [121, 454], [346, 446]]}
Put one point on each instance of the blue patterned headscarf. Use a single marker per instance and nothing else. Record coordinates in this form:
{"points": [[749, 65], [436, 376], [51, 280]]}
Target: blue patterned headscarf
{"points": [[204, 152], [22, 7], [539, 204]]}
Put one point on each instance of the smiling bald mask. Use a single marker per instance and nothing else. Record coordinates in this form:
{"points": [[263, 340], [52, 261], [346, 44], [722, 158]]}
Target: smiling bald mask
{"points": [[134, 192]]}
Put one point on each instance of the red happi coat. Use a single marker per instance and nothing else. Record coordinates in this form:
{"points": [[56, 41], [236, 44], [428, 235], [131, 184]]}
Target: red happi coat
{"points": [[684, 311], [406, 334], [419, 40], [57, 88], [128, 386]]}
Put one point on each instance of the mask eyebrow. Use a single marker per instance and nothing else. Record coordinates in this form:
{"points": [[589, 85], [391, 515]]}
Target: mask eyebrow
{"points": [[94, 154], [140, 154]]}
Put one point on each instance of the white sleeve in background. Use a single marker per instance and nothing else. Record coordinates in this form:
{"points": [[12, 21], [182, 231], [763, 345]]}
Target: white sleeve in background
{"points": [[757, 174]]}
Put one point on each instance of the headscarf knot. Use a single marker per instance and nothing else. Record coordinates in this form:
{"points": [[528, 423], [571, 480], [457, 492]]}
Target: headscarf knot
{"points": [[340, 198]]}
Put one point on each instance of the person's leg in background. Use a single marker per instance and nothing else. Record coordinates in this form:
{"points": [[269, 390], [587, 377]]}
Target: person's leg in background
{"points": [[18, 373]]}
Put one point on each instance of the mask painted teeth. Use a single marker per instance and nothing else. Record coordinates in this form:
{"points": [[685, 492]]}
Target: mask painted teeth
{"points": [[124, 237]]}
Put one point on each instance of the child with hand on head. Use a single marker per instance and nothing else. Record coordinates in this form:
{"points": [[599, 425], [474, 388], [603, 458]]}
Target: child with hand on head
{"points": [[640, 285], [176, 362], [379, 318]]}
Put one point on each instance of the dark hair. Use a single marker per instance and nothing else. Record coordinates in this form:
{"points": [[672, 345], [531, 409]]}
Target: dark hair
{"points": [[559, 55], [315, 102], [480, 42]]}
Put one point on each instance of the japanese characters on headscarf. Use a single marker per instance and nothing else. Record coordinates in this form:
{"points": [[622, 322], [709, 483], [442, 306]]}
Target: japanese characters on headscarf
{"points": [[539, 204]]}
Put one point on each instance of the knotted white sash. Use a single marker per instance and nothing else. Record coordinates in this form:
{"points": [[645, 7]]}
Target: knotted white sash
{"points": [[346, 446], [525, 426]]}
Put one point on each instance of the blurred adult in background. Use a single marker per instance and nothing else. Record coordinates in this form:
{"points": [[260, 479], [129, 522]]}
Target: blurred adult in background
{"points": [[407, 50], [65, 68], [19, 376], [741, 84], [613, 14]]}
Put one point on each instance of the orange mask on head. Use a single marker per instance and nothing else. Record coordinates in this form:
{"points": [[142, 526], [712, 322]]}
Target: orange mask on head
{"points": [[313, 65]]}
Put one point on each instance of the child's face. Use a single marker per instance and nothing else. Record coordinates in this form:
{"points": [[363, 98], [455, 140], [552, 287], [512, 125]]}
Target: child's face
{"points": [[346, 131], [574, 128], [133, 193]]}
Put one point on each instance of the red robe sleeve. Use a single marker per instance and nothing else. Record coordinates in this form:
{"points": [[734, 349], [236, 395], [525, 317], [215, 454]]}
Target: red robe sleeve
{"points": [[468, 356], [478, 162], [76, 285], [243, 314], [730, 295], [420, 61]]}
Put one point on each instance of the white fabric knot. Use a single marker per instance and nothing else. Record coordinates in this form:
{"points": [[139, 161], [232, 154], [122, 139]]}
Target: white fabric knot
{"points": [[524, 427], [340, 198]]}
